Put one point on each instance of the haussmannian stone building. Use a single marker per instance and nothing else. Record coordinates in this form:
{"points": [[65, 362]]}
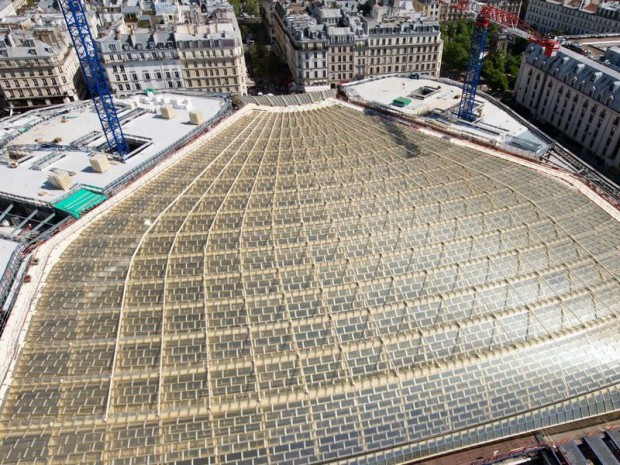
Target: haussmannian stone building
{"points": [[141, 60], [572, 17], [38, 66], [205, 52], [577, 95], [211, 53], [325, 46]]}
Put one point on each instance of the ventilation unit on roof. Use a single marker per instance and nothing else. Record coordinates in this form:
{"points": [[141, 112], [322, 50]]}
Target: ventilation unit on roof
{"points": [[60, 179], [100, 163]]}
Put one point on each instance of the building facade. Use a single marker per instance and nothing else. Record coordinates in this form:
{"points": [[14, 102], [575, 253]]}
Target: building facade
{"points": [[204, 52], [141, 60], [576, 95], [38, 67], [447, 10], [430, 8], [571, 17], [332, 45], [267, 13], [211, 51]]}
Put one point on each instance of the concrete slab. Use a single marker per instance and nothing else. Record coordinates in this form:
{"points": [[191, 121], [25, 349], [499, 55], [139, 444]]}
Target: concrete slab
{"points": [[80, 120], [495, 124]]}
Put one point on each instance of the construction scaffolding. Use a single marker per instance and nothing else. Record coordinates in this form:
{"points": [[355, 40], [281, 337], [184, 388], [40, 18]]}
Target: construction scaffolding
{"points": [[316, 285]]}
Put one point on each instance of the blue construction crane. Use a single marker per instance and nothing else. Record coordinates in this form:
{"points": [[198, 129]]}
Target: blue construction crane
{"points": [[474, 67], [486, 15], [94, 75]]}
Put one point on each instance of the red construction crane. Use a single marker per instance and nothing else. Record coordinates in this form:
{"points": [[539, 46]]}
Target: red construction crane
{"points": [[487, 14]]}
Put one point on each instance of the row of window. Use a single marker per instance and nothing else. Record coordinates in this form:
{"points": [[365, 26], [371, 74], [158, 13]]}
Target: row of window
{"points": [[129, 57], [403, 40], [216, 44], [209, 64], [403, 68], [207, 72], [208, 53], [34, 83], [27, 63], [312, 64], [211, 82], [107, 58], [373, 52], [403, 51], [21, 93], [199, 83], [138, 86], [386, 42], [571, 106], [601, 95], [388, 69], [150, 46], [31, 72], [570, 19], [146, 75], [340, 76], [418, 58], [315, 74]]}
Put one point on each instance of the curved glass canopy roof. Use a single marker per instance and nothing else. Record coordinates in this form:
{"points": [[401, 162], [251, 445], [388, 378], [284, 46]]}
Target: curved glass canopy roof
{"points": [[317, 285]]}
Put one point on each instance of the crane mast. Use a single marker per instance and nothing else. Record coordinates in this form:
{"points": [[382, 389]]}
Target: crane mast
{"points": [[474, 68], [487, 14], [94, 75]]}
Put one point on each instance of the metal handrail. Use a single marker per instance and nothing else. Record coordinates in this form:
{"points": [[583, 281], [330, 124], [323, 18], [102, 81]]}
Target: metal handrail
{"points": [[8, 277]]}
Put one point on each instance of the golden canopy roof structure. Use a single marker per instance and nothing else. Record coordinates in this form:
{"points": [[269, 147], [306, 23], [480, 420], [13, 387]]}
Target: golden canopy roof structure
{"points": [[315, 285]]}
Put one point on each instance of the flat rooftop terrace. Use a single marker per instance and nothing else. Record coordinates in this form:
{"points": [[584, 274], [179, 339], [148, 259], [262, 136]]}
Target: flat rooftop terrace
{"points": [[597, 46], [495, 124], [79, 134]]}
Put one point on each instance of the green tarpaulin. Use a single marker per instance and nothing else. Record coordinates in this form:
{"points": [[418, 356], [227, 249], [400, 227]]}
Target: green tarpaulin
{"points": [[80, 201], [401, 102]]}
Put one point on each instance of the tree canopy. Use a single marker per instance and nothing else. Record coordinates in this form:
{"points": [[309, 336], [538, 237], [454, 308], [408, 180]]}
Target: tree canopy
{"points": [[265, 64], [457, 39], [245, 6], [499, 69]]}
